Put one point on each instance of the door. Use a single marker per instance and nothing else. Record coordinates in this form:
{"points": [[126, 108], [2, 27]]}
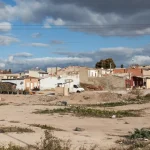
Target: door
{"points": [[31, 86]]}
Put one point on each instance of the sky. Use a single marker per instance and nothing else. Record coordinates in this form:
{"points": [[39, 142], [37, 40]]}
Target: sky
{"points": [[50, 33]]}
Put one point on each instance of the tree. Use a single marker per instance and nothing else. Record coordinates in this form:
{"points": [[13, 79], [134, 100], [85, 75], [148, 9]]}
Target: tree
{"points": [[106, 64], [122, 66], [9, 70]]}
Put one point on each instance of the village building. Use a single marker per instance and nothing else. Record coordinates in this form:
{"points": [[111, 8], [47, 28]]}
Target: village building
{"points": [[53, 70], [37, 73], [52, 82], [20, 84], [31, 83]]}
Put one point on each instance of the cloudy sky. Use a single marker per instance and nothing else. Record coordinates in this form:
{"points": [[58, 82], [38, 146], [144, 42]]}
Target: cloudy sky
{"points": [[44, 33]]}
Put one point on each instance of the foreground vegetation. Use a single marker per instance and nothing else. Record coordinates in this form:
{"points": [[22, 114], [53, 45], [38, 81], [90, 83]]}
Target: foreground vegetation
{"points": [[50, 142], [137, 140], [46, 127], [89, 112], [15, 129]]}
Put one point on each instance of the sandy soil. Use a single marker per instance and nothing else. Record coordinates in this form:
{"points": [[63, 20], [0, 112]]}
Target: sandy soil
{"points": [[100, 131]]}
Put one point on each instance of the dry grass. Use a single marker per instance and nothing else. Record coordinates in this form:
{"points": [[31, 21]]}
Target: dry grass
{"points": [[49, 142], [15, 129], [46, 127], [89, 112], [3, 104], [13, 121]]}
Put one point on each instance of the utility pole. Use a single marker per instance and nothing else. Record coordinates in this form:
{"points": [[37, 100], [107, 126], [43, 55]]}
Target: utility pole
{"points": [[110, 65], [51, 72]]}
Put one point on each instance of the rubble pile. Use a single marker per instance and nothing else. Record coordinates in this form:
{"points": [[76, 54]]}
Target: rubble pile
{"points": [[90, 87]]}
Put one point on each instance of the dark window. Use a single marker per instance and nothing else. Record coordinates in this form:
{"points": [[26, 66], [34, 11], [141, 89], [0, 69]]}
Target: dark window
{"points": [[75, 86]]}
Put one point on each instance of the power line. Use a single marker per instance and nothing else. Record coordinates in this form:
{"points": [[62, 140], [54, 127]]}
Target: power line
{"points": [[105, 25], [79, 26]]}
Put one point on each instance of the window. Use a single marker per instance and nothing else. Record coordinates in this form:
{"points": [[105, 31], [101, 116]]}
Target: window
{"points": [[59, 84], [75, 86]]}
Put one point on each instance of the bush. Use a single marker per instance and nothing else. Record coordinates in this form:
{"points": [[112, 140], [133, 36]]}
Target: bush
{"points": [[141, 133]]}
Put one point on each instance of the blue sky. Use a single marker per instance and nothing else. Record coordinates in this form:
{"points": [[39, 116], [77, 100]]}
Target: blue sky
{"points": [[55, 33]]}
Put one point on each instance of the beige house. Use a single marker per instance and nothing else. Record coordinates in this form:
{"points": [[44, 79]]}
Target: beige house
{"points": [[146, 72], [86, 73], [53, 70], [31, 83], [9, 76], [37, 73], [70, 70]]}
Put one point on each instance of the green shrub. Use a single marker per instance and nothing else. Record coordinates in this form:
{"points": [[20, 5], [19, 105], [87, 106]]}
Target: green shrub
{"points": [[141, 133]]}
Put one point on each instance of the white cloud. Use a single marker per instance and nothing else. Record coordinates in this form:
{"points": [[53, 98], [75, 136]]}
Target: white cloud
{"points": [[2, 65], [23, 54], [36, 35], [57, 42], [142, 60], [38, 45], [46, 26], [26, 63], [121, 55], [11, 58], [50, 21], [126, 51], [5, 26], [121, 18], [7, 40]]}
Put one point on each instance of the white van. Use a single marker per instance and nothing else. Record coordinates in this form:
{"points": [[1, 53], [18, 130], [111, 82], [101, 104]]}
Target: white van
{"points": [[76, 89]]}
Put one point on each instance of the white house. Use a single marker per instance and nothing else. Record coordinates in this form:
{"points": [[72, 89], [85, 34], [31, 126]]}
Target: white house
{"points": [[92, 72], [52, 82], [20, 84]]}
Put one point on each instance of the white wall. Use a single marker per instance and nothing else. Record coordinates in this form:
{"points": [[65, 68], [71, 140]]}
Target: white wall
{"points": [[51, 82], [20, 83], [42, 75], [33, 73], [92, 73]]}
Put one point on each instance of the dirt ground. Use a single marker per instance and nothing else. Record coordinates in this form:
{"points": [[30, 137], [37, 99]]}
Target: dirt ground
{"points": [[100, 131]]}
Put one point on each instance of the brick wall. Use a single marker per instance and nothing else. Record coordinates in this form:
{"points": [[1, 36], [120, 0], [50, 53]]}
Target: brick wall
{"points": [[119, 70], [133, 71]]}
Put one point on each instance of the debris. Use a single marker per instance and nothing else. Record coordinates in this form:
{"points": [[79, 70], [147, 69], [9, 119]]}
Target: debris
{"points": [[79, 129], [113, 116], [61, 103], [64, 103]]}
